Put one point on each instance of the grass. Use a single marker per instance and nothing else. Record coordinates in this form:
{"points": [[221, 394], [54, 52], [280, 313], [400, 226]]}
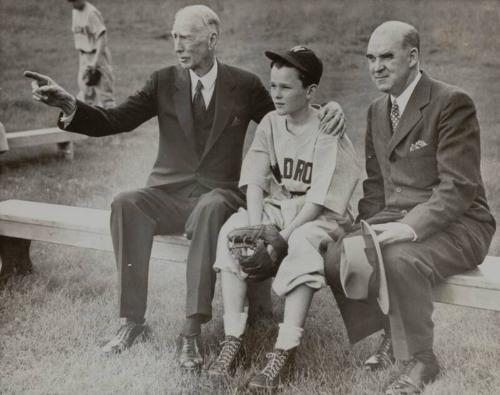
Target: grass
{"points": [[52, 323]]}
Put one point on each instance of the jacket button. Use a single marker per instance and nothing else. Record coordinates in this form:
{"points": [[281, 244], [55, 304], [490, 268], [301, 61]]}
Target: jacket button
{"points": [[398, 190], [404, 212]]}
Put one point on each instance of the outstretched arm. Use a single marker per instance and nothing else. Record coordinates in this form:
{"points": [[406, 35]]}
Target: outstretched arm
{"points": [[47, 91]]}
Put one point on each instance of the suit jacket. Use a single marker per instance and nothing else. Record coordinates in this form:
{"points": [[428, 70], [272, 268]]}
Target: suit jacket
{"points": [[239, 98], [429, 169]]}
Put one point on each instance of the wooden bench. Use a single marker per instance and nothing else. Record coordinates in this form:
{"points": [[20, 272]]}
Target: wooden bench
{"points": [[23, 221], [29, 138]]}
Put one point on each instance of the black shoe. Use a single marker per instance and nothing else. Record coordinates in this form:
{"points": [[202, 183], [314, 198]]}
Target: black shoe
{"points": [[384, 357], [276, 372], [124, 338], [422, 369], [188, 353], [226, 361]]}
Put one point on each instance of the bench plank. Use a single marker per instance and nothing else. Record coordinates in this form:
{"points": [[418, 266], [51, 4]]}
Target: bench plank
{"points": [[31, 138], [89, 228], [74, 226]]}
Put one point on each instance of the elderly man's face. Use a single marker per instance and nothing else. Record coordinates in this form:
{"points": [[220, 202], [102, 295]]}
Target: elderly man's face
{"points": [[193, 44], [389, 62]]}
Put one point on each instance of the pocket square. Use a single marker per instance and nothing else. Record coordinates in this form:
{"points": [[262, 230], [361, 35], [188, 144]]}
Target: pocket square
{"points": [[417, 145]]}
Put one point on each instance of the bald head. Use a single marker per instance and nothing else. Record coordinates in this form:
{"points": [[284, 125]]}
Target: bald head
{"points": [[393, 56], [406, 34]]}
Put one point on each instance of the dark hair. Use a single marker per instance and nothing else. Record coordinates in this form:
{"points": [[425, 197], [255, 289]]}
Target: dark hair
{"points": [[306, 80]]}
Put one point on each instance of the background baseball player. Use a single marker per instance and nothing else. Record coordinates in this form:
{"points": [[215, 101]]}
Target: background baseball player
{"points": [[91, 42], [301, 180]]}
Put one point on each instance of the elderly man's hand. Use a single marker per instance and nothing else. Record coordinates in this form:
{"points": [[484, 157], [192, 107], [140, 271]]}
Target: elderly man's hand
{"points": [[394, 232], [332, 119], [47, 91]]}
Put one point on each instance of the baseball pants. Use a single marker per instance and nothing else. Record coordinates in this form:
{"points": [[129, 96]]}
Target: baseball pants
{"points": [[138, 215], [303, 264], [412, 269], [102, 94]]}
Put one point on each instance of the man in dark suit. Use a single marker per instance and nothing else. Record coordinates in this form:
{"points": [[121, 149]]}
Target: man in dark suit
{"points": [[203, 108], [425, 196]]}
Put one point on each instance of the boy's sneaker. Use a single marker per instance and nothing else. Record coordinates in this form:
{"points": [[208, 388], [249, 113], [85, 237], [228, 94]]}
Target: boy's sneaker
{"points": [[277, 370], [225, 364]]}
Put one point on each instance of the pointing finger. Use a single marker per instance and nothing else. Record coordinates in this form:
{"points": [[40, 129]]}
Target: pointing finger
{"points": [[43, 79]]}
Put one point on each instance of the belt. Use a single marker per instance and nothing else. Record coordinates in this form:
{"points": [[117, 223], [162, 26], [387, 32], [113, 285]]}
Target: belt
{"points": [[87, 52]]}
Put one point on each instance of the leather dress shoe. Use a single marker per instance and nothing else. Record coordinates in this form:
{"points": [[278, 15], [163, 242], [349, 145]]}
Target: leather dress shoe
{"points": [[384, 357], [124, 338], [422, 369], [188, 353]]}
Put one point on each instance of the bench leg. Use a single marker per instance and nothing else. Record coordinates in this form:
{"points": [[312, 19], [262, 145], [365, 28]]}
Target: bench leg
{"points": [[66, 149], [15, 256], [259, 300]]}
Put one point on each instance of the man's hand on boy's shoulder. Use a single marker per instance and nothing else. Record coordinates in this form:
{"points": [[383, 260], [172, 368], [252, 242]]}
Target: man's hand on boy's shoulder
{"points": [[332, 119]]}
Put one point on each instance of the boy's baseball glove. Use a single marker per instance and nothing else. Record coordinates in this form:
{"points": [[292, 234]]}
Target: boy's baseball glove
{"points": [[91, 76], [249, 246]]}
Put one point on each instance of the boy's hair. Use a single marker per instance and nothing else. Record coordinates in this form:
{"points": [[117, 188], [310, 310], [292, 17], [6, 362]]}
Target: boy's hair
{"points": [[306, 81]]}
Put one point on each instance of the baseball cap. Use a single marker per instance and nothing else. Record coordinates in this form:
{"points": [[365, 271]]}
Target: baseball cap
{"points": [[302, 58]]}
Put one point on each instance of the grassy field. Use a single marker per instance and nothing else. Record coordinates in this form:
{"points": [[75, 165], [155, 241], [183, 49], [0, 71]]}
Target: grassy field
{"points": [[51, 323]]}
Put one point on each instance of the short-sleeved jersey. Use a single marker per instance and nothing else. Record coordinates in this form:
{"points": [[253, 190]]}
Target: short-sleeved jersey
{"points": [[87, 27], [320, 167]]}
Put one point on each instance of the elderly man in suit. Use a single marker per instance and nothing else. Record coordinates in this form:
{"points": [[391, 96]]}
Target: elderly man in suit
{"points": [[425, 196], [203, 107]]}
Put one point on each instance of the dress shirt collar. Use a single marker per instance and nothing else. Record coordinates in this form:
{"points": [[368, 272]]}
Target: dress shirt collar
{"points": [[208, 80], [404, 97]]}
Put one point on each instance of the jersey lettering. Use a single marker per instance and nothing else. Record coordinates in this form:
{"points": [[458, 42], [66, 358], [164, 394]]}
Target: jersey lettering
{"points": [[303, 170]]}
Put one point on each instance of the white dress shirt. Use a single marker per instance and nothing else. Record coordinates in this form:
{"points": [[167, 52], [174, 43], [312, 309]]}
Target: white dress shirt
{"points": [[404, 97], [208, 81]]}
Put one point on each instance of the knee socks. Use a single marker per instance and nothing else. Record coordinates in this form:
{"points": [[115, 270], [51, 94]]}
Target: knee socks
{"points": [[288, 337], [235, 324]]}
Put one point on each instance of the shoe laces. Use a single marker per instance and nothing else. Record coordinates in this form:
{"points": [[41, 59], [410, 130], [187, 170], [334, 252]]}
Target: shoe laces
{"points": [[230, 347], [189, 345], [125, 329], [385, 349], [276, 361]]}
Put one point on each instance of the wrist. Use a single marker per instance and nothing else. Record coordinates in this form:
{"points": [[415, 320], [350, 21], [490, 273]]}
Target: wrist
{"points": [[68, 107]]}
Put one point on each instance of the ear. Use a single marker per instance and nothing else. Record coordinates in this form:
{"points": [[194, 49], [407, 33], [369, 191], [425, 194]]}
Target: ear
{"points": [[413, 56], [212, 40], [311, 91]]}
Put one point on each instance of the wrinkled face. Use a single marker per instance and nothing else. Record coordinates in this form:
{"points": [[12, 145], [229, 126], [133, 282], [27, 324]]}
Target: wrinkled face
{"points": [[77, 4], [390, 64], [287, 91], [194, 45]]}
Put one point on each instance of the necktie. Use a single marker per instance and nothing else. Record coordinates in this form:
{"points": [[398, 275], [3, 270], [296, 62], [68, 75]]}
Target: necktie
{"points": [[199, 107], [395, 115], [199, 112]]}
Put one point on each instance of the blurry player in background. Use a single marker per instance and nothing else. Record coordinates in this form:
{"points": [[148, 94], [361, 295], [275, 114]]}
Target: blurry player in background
{"points": [[95, 75]]}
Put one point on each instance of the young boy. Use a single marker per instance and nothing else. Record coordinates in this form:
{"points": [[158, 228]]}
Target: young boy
{"points": [[301, 180], [93, 53]]}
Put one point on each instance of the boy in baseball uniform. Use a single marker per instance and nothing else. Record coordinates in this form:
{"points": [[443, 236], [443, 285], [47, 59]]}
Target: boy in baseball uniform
{"points": [[91, 43], [300, 180]]}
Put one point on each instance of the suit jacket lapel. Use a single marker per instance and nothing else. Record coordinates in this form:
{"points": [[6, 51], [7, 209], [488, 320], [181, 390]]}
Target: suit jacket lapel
{"points": [[224, 103], [182, 102], [412, 114], [384, 122]]}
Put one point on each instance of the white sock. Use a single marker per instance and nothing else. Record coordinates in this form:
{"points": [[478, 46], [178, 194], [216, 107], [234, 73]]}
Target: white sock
{"points": [[235, 324], [288, 337]]}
